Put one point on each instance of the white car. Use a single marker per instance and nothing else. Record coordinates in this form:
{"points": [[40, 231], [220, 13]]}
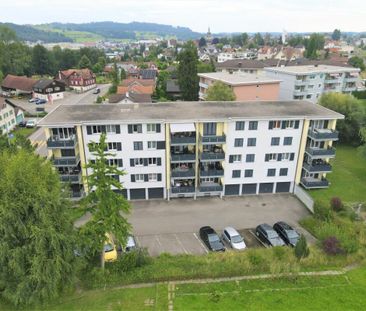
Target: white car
{"points": [[232, 237], [33, 100], [131, 244], [31, 123]]}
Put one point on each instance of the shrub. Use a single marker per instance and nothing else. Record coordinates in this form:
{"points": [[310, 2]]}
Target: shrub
{"points": [[321, 211], [301, 249], [99, 100], [336, 204], [331, 246], [134, 259]]}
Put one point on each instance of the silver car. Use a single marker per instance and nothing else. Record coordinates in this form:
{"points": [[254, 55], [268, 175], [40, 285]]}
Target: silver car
{"points": [[232, 237]]}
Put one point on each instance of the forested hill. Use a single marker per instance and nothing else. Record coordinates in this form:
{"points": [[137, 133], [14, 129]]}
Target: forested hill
{"points": [[29, 33]]}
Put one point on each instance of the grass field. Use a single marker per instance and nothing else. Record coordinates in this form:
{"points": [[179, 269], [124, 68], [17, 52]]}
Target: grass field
{"points": [[25, 131], [348, 178], [333, 292]]}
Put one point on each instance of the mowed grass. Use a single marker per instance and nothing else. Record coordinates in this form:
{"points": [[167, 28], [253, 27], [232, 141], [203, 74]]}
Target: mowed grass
{"points": [[348, 178], [24, 131]]}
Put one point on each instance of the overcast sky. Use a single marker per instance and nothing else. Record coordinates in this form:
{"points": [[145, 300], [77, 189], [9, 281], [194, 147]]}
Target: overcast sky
{"points": [[220, 15]]}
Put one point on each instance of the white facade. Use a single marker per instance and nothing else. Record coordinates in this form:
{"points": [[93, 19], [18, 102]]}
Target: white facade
{"points": [[7, 118], [310, 82]]}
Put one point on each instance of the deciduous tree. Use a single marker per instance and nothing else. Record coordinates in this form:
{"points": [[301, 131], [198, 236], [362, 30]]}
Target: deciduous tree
{"points": [[220, 91], [84, 62]]}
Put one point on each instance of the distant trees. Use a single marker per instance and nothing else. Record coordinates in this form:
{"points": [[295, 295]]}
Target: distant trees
{"points": [[240, 40], [187, 72], [205, 67], [313, 45], [36, 234], [123, 74], [295, 40], [336, 35], [258, 39], [42, 60], [7, 35], [357, 62], [219, 91], [202, 42], [84, 62]]}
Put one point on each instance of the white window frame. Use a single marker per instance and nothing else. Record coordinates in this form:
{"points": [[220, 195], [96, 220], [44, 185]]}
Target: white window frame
{"points": [[151, 127], [286, 156], [110, 128], [272, 157], [276, 125], [153, 177], [236, 158], [152, 161], [152, 145], [139, 178], [138, 162]]}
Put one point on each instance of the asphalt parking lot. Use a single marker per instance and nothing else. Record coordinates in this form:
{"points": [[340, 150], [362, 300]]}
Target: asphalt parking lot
{"points": [[172, 226]]}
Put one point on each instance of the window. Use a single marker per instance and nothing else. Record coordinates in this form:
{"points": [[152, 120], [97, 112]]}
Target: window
{"points": [[151, 128], [239, 125], [251, 142], [152, 161], [209, 129], [253, 125], [115, 162], [312, 76], [271, 157], [274, 125], [287, 141], [115, 146], [271, 172], [289, 124], [237, 158], [236, 174], [137, 128], [238, 142], [308, 96], [248, 173], [285, 156], [137, 145], [310, 87], [139, 162], [151, 145], [139, 177], [110, 128], [153, 177], [275, 141], [250, 158], [96, 129], [283, 171]]}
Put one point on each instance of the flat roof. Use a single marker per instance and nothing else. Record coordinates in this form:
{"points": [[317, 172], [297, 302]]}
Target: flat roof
{"points": [[179, 112], [238, 78], [309, 69]]}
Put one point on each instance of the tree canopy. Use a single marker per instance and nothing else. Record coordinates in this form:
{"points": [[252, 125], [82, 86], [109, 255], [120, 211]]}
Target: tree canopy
{"points": [[220, 91], [36, 235], [313, 45], [84, 62], [336, 35], [357, 62]]}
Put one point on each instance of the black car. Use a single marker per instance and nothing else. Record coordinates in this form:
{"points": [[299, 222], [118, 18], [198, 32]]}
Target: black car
{"points": [[22, 123], [268, 235], [211, 239], [41, 101], [96, 91], [288, 234]]}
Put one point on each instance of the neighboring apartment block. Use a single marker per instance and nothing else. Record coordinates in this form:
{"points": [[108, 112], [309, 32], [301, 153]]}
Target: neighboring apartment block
{"points": [[180, 149], [10, 115], [245, 86], [309, 82]]}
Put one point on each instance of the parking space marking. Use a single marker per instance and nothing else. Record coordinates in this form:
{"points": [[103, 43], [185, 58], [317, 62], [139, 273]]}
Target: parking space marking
{"points": [[181, 244], [258, 239], [204, 247]]}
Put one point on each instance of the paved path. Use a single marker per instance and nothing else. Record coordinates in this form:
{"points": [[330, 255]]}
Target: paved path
{"points": [[38, 138]]}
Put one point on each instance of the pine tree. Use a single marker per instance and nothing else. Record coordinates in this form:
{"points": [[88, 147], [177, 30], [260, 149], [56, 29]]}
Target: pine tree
{"points": [[36, 234], [301, 248], [84, 62]]}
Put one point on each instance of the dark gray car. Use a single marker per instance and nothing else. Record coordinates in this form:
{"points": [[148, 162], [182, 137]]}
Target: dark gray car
{"points": [[268, 235], [211, 239], [287, 233]]}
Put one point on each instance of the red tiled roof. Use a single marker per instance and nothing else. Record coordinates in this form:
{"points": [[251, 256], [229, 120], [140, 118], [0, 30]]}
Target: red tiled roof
{"points": [[18, 83], [84, 73]]}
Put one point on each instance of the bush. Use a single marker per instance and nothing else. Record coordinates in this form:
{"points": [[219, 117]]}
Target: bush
{"points": [[321, 211], [331, 246], [336, 204], [128, 261], [99, 100], [301, 249]]}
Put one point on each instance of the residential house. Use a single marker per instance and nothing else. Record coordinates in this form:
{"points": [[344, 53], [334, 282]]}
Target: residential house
{"points": [[49, 89], [139, 86], [10, 115], [80, 80], [16, 85], [172, 89], [129, 98]]}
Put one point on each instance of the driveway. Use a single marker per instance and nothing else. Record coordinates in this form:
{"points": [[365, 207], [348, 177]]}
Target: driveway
{"points": [[172, 226]]}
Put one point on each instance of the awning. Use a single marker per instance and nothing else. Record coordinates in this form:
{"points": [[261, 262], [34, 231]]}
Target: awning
{"points": [[182, 127]]}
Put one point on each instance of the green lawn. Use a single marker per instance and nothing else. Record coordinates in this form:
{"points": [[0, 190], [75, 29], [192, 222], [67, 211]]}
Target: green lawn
{"points": [[348, 179], [24, 131]]}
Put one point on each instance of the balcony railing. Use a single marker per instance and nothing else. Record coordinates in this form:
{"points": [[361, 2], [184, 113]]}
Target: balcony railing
{"points": [[184, 157], [207, 140], [66, 161], [53, 142], [351, 79], [183, 189], [74, 179], [331, 80], [216, 156], [300, 92], [212, 173], [313, 183], [301, 82], [210, 188], [321, 152], [183, 173], [323, 134], [317, 168], [186, 140]]}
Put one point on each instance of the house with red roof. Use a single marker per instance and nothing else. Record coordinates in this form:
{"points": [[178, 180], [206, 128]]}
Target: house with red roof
{"points": [[80, 80], [16, 85]]}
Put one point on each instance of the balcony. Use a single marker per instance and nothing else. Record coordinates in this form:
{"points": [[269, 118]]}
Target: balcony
{"points": [[301, 82], [320, 152], [183, 189], [212, 173], [314, 183], [55, 142], [180, 173], [349, 88], [323, 134], [322, 167], [183, 157], [331, 80], [73, 179], [300, 92], [183, 140], [212, 156], [66, 161], [211, 140], [210, 187], [351, 79]]}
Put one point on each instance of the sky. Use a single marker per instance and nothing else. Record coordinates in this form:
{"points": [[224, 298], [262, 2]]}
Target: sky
{"points": [[219, 15]]}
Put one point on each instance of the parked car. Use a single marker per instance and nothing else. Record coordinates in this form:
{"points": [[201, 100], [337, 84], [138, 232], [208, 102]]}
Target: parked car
{"points": [[232, 237], [268, 235], [110, 251], [33, 100], [31, 123], [130, 245], [96, 91], [288, 234], [41, 101], [211, 239], [22, 123]]}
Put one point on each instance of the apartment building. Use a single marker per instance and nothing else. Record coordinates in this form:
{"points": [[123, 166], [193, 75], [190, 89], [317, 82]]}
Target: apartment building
{"points": [[10, 115], [245, 86], [311, 81], [193, 149]]}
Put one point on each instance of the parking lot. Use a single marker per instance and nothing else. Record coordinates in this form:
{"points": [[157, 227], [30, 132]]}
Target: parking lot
{"points": [[172, 226]]}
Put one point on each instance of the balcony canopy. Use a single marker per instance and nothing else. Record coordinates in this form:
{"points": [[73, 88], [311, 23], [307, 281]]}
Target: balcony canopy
{"points": [[182, 127]]}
